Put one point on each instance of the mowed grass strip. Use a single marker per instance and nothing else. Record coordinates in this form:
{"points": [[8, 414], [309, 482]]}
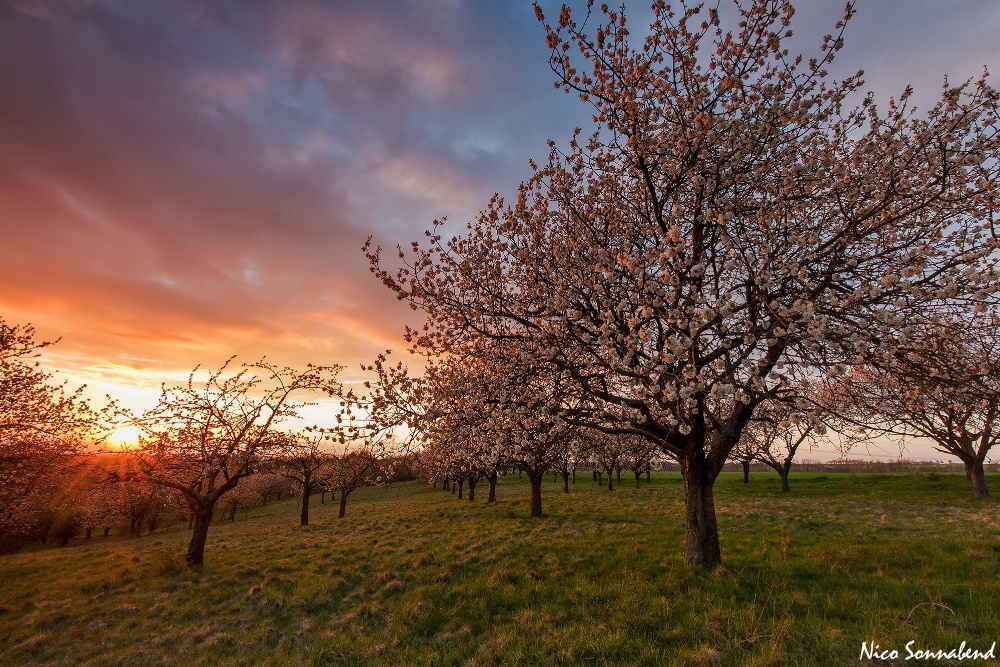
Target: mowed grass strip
{"points": [[413, 575]]}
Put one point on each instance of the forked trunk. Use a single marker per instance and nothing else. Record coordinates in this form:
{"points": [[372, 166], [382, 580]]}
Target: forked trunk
{"points": [[492, 498], [974, 471], [536, 493], [199, 535], [746, 472], [783, 473], [702, 539]]}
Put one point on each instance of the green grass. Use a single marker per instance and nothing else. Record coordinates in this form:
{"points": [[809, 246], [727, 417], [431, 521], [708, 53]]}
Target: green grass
{"points": [[414, 576]]}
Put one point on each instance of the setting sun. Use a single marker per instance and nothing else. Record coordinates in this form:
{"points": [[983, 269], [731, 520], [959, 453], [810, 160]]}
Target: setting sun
{"points": [[126, 436]]}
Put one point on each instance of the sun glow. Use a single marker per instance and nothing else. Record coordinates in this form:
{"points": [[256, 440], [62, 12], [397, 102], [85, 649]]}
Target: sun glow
{"points": [[125, 436]]}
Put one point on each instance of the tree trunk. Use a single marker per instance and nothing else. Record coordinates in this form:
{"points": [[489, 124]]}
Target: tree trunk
{"points": [[492, 498], [600, 478], [619, 473], [343, 503], [977, 474], [232, 512], [783, 473], [702, 539], [611, 484], [649, 475], [87, 534], [536, 493], [566, 482], [107, 529], [304, 517], [637, 474], [574, 475], [461, 488], [472, 488], [746, 472], [322, 497], [196, 549]]}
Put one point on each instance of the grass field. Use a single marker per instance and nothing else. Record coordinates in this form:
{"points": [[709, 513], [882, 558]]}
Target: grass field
{"points": [[413, 576]]}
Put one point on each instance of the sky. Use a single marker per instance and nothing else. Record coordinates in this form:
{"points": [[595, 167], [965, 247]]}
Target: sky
{"points": [[185, 180]]}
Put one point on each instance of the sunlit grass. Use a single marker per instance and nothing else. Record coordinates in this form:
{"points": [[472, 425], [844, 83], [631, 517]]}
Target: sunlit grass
{"points": [[414, 576]]}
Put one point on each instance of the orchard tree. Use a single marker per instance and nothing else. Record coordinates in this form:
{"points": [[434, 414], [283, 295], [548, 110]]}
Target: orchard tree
{"points": [[510, 407], [248, 493], [203, 438], [44, 430], [304, 462], [461, 422], [349, 467], [745, 453], [637, 455], [604, 451], [941, 382], [778, 430], [720, 228]]}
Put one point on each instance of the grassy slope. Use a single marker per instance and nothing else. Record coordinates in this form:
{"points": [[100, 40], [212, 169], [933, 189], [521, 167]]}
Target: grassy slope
{"points": [[415, 576]]}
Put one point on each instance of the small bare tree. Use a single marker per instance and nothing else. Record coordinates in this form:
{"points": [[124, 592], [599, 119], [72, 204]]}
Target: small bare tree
{"points": [[303, 463], [201, 439], [348, 468], [776, 433]]}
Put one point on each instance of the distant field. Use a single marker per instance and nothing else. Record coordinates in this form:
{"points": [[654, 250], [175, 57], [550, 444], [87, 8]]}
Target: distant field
{"points": [[413, 576]]}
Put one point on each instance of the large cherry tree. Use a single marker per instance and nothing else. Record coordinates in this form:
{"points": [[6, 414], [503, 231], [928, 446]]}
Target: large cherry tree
{"points": [[732, 219]]}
